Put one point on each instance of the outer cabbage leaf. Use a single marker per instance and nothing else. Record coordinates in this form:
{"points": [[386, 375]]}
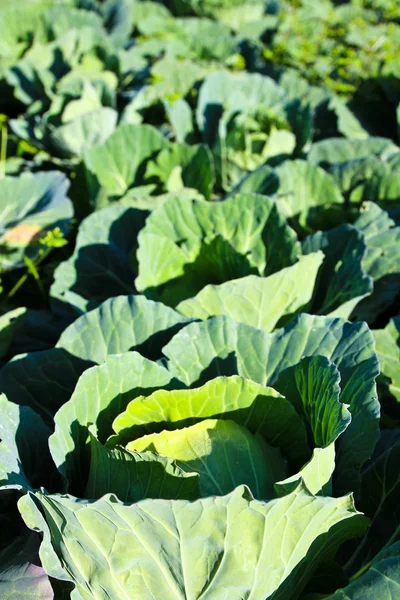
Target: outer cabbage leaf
{"points": [[42, 380], [25, 461], [388, 350], [30, 205], [173, 78], [118, 20], [186, 245], [45, 380], [229, 93], [380, 580], [381, 261], [249, 21], [305, 191], [190, 549], [142, 11], [208, 39], [382, 239], [10, 323], [21, 573], [263, 180], [100, 266], [72, 138], [242, 117], [316, 474], [256, 301], [200, 39], [121, 324], [369, 178], [181, 119], [313, 388], [339, 150], [380, 488], [208, 7], [124, 154], [101, 394], [84, 132], [342, 281], [61, 19], [18, 22], [347, 122], [183, 166], [135, 476], [31, 331], [35, 76]]}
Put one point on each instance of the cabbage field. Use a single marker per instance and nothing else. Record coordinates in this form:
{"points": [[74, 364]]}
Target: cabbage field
{"points": [[199, 300]]}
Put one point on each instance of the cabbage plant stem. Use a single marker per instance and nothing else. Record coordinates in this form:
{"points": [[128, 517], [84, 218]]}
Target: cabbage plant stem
{"points": [[24, 277]]}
